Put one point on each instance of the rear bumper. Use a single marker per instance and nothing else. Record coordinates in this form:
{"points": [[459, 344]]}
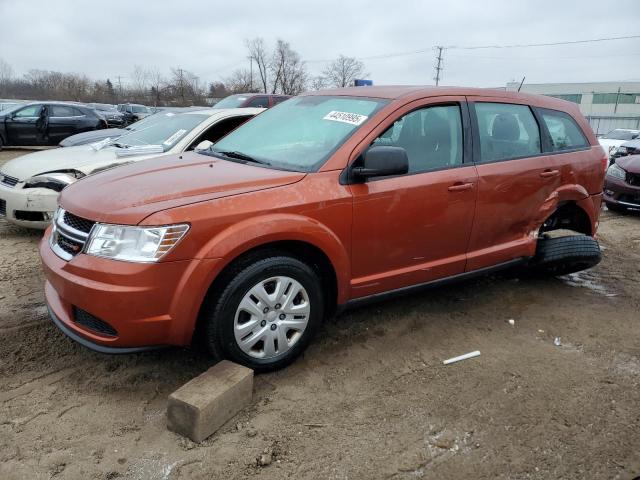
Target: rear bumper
{"points": [[147, 305], [39, 202], [619, 192]]}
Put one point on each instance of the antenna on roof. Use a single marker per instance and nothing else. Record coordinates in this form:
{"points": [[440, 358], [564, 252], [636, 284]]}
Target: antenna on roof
{"points": [[521, 83]]}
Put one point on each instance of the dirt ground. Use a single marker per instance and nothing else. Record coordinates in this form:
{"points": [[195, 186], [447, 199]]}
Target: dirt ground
{"points": [[369, 399]]}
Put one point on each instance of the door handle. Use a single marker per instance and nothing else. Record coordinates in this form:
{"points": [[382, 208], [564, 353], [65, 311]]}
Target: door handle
{"points": [[549, 173], [459, 187]]}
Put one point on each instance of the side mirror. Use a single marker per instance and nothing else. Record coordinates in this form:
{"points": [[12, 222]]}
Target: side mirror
{"points": [[204, 145], [382, 161]]}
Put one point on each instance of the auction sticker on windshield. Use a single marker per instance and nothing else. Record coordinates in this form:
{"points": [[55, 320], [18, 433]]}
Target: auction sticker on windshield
{"points": [[173, 138], [345, 117]]}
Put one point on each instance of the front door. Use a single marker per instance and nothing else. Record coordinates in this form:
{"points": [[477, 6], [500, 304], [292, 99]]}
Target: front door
{"points": [[21, 126], [415, 228]]}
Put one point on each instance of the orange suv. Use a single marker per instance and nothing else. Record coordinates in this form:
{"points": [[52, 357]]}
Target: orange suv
{"points": [[325, 201]]}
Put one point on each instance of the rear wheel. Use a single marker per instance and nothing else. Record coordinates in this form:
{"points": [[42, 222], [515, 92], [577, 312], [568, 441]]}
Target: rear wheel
{"points": [[564, 255], [266, 314]]}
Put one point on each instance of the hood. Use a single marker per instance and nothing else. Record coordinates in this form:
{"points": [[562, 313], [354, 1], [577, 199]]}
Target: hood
{"points": [[82, 158], [632, 144], [92, 136], [608, 143], [631, 163], [131, 193]]}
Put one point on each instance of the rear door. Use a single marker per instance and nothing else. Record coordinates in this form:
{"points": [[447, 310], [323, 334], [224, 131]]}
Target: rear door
{"points": [[64, 121], [515, 181], [21, 126], [415, 228]]}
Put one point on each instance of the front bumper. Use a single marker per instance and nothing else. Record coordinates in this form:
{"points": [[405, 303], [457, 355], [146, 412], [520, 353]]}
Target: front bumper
{"points": [[148, 305], [619, 192], [33, 201]]}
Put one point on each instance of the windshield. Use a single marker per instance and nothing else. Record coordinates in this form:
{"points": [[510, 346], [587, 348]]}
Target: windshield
{"points": [[621, 134], [233, 101], [149, 120], [165, 131], [139, 109], [301, 133]]}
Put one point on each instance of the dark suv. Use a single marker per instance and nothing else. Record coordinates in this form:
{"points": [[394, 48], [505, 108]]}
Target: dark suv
{"points": [[242, 100]]}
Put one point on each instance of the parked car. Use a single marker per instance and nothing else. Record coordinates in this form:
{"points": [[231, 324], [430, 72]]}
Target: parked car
{"points": [[622, 184], [627, 148], [37, 124], [326, 201], [110, 113], [241, 100], [29, 185], [617, 137], [112, 133], [133, 112]]}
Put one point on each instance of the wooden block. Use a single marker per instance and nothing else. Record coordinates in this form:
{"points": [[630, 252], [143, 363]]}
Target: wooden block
{"points": [[201, 406]]}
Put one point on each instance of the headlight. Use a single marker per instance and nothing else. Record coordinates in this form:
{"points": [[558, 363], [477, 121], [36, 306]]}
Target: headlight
{"points": [[616, 172], [133, 244], [55, 181]]}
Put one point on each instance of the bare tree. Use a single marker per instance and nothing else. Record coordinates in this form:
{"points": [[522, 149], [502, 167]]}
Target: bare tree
{"points": [[258, 54], [239, 81], [288, 70], [343, 71], [318, 83]]}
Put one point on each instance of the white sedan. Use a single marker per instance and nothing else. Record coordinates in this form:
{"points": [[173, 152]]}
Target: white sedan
{"points": [[30, 185]]}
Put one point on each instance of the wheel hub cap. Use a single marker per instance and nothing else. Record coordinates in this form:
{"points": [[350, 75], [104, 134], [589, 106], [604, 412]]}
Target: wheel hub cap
{"points": [[271, 317]]}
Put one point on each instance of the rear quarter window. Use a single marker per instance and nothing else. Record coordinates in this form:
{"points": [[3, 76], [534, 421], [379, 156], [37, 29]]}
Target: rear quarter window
{"points": [[564, 131]]}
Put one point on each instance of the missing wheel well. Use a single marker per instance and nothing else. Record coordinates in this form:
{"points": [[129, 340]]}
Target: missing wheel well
{"points": [[568, 216]]}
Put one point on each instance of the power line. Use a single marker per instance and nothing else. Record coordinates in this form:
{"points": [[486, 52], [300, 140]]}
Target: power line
{"points": [[478, 47]]}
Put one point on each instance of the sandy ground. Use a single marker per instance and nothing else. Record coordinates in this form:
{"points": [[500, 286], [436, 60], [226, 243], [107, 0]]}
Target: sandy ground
{"points": [[370, 398]]}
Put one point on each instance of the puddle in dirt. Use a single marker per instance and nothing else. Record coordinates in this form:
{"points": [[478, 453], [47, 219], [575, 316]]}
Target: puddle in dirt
{"points": [[589, 280]]}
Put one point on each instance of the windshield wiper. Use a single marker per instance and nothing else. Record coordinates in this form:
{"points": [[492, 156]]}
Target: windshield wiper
{"points": [[120, 145], [242, 156]]}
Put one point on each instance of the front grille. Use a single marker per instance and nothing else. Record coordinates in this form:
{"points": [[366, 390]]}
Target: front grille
{"points": [[88, 321], [3, 208], [633, 179], [78, 223], [69, 234], [8, 180], [72, 247]]}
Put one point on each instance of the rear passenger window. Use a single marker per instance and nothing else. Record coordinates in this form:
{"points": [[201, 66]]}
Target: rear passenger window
{"points": [[432, 137], [507, 131], [62, 111], [565, 132]]}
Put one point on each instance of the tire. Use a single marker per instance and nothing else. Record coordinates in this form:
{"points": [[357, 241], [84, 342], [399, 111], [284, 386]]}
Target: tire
{"points": [[1, 143], [564, 255], [229, 328], [616, 208]]}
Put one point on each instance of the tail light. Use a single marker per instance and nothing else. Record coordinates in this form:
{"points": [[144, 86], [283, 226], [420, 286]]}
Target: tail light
{"points": [[604, 159]]}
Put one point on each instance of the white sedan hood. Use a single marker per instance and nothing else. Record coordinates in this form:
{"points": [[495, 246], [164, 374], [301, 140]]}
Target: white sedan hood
{"points": [[82, 158]]}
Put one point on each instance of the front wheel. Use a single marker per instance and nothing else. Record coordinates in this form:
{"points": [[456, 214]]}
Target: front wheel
{"points": [[616, 208], [266, 314]]}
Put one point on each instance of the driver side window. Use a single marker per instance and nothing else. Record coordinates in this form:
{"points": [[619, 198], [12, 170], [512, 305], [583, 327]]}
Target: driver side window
{"points": [[432, 137], [30, 111]]}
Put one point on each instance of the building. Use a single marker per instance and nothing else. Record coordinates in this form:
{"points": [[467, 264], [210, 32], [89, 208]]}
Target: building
{"points": [[607, 105]]}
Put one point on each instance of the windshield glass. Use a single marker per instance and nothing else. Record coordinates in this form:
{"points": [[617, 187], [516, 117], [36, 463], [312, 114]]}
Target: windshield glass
{"points": [[165, 131], [140, 109], [621, 135], [102, 106], [233, 101], [302, 133]]}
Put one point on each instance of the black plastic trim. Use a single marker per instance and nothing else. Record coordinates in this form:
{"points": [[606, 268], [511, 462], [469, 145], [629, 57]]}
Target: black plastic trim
{"points": [[94, 346], [379, 297]]}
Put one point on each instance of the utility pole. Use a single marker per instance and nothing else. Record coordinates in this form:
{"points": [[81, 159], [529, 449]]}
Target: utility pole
{"points": [[439, 67], [251, 72]]}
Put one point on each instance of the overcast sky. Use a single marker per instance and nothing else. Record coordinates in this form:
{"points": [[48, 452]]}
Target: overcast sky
{"points": [[106, 39]]}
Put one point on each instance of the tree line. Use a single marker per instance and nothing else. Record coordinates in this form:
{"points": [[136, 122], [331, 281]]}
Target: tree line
{"points": [[279, 69]]}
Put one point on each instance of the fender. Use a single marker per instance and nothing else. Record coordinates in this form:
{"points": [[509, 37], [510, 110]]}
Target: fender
{"points": [[565, 193], [250, 233]]}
